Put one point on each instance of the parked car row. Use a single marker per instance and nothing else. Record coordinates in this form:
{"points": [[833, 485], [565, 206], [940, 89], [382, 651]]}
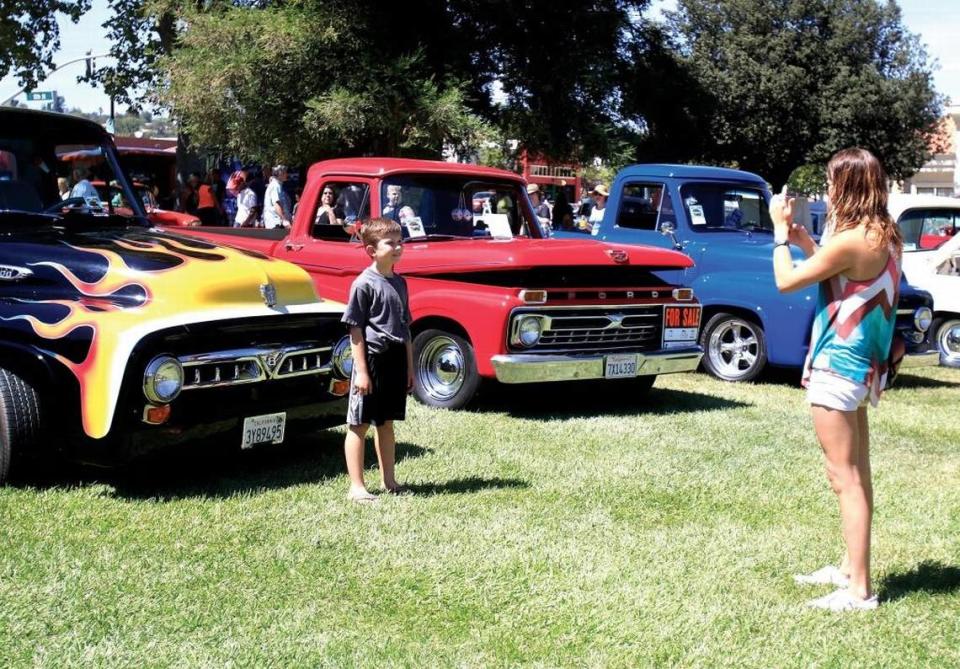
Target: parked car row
{"points": [[123, 330]]}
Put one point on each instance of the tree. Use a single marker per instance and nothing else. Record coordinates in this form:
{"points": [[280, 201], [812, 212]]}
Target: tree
{"points": [[296, 82], [29, 35], [783, 83], [557, 64]]}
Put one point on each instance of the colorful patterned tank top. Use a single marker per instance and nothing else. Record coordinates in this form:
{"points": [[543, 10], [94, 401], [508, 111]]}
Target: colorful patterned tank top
{"points": [[853, 328]]}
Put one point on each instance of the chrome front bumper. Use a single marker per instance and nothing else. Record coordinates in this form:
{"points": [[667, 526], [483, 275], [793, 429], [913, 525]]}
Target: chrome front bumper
{"points": [[532, 368]]}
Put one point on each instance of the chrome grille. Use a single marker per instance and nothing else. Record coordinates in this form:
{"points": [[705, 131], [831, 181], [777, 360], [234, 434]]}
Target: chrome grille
{"points": [[251, 365], [636, 327]]}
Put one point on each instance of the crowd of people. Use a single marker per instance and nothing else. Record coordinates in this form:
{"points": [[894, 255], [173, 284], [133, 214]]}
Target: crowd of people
{"points": [[248, 198]]}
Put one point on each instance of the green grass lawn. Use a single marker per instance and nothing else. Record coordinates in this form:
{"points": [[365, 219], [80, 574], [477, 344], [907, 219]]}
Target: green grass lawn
{"points": [[553, 526]]}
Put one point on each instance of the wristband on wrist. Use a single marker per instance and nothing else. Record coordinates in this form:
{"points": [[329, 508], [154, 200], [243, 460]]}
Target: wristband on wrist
{"points": [[777, 243]]}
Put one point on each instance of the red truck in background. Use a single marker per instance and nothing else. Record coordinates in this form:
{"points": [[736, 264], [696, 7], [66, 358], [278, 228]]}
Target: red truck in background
{"points": [[490, 294]]}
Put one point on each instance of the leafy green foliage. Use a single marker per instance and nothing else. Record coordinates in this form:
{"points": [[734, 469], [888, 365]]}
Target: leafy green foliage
{"points": [[296, 83], [29, 35], [787, 82], [808, 179]]}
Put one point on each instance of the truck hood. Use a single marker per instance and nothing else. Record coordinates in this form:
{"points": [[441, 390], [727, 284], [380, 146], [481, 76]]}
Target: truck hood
{"points": [[91, 296], [424, 258]]}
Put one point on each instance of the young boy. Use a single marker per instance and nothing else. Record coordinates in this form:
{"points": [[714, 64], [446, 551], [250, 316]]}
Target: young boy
{"points": [[378, 314]]}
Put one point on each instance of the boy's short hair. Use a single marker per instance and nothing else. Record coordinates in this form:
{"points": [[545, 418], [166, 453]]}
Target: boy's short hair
{"points": [[375, 229]]}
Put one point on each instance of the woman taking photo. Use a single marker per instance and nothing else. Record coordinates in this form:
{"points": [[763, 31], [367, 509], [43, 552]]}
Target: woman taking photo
{"points": [[858, 269]]}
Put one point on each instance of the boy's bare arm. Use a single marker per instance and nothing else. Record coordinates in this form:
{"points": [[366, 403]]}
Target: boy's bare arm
{"points": [[358, 348]]}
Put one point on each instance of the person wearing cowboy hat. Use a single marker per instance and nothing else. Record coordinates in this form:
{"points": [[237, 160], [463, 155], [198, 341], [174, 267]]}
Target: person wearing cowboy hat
{"points": [[600, 195], [540, 208]]}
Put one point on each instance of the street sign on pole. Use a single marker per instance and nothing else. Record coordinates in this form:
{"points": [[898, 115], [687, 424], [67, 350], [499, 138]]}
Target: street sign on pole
{"points": [[41, 96]]}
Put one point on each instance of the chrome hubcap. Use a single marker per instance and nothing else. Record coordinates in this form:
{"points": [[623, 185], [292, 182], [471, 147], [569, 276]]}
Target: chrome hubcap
{"points": [[733, 348], [440, 368], [948, 340]]}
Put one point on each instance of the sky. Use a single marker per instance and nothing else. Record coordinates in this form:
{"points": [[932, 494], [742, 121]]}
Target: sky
{"points": [[937, 22]]}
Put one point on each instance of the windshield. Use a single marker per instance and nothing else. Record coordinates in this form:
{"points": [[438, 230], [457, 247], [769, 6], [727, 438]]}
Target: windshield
{"points": [[712, 207], [40, 176], [926, 229], [457, 206]]}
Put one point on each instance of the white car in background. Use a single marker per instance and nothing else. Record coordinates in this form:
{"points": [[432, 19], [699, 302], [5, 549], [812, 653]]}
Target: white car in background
{"points": [[931, 261]]}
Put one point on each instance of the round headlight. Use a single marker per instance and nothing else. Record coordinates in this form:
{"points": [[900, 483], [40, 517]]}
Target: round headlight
{"points": [[922, 318], [163, 379], [529, 330], [343, 358]]}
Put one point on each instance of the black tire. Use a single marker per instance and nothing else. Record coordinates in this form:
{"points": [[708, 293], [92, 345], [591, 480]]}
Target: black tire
{"points": [[19, 419], [948, 345], [444, 369], [734, 348]]}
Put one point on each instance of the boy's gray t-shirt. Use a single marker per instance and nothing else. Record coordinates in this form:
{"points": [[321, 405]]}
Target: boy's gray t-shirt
{"points": [[380, 306]]}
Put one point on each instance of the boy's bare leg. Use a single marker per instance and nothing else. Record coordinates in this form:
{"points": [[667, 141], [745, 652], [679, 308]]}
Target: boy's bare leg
{"points": [[386, 445], [353, 450], [849, 473]]}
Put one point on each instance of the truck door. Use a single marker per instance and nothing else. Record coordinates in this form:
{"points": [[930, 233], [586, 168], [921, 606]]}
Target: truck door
{"points": [[642, 209], [323, 243]]}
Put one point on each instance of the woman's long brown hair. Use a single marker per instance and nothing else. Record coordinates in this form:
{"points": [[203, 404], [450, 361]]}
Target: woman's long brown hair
{"points": [[859, 195]]}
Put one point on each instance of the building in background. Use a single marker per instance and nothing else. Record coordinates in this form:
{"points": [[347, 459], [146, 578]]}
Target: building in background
{"points": [[940, 176]]}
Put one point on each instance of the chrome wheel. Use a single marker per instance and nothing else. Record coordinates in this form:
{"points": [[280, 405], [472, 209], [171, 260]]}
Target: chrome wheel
{"points": [[735, 348], [440, 368], [948, 341]]}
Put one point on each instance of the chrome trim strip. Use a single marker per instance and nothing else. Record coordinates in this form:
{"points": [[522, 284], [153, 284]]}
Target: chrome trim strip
{"points": [[534, 368], [258, 358]]}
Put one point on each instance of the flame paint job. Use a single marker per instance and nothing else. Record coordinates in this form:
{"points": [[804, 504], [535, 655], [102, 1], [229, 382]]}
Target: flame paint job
{"points": [[94, 294]]}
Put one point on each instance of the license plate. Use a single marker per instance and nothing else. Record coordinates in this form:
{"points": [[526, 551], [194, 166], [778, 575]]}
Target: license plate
{"points": [[266, 429], [621, 366]]}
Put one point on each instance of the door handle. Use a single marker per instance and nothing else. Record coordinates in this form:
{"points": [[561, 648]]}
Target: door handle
{"points": [[293, 247]]}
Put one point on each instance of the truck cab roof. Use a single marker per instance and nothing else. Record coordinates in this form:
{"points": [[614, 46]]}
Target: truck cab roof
{"points": [[700, 172]]}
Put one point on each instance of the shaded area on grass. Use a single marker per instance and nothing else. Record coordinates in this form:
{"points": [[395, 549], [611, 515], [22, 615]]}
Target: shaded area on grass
{"points": [[906, 381], [584, 399], [465, 485], [931, 577], [214, 470]]}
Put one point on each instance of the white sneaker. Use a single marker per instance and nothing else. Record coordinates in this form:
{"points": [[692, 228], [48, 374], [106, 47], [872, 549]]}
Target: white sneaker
{"points": [[844, 600], [828, 575]]}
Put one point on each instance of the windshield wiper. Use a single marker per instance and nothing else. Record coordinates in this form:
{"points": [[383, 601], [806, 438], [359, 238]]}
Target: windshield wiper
{"points": [[435, 237]]}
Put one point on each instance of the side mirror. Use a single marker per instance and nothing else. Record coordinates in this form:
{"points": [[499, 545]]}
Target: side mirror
{"points": [[669, 229]]}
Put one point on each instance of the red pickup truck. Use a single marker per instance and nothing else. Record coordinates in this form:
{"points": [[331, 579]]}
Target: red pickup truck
{"points": [[492, 296]]}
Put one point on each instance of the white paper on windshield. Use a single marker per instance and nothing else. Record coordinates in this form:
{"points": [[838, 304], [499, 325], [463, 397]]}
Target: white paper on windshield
{"points": [[696, 215], [414, 226], [498, 225]]}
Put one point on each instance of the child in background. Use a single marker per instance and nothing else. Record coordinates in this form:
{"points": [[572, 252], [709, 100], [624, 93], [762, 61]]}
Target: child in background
{"points": [[378, 314]]}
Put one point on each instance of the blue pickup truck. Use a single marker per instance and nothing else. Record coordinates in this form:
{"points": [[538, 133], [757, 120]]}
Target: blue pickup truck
{"points": [[719, 217]]}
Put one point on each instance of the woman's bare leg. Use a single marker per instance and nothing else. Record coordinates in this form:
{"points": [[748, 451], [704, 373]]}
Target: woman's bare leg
{"points": [[848, 469], [866, 475]]}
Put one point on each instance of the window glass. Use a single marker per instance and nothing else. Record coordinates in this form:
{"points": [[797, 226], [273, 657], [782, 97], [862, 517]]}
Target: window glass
{"points": [[639, 206], [457, 206], [925, 229], [339, 206], [723, 207]]}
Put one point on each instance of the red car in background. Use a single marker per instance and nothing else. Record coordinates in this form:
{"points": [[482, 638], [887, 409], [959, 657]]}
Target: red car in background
{"points": [[157, 216]]}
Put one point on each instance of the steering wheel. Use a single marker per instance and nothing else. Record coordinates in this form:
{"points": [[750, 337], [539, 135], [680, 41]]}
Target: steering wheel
{"points": [[69, 203]]}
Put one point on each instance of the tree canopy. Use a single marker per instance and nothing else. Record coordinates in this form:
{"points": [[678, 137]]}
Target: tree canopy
{"points": [[30, 35], [782, 83]]}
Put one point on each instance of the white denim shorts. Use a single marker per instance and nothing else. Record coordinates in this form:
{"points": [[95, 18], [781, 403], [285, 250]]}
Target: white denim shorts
{"points": [[835, 392]]}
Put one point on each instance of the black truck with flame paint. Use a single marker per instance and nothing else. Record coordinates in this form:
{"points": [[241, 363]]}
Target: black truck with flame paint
{"points": [[116, 338]]}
